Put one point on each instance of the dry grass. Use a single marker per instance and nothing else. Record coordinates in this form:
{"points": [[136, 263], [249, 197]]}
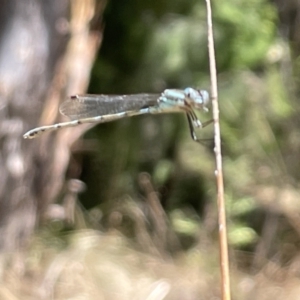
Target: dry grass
{"points": [[91, 265]]}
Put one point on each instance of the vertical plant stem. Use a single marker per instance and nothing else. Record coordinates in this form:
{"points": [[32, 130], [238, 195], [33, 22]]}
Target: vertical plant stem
{"points": [[224, 263]]}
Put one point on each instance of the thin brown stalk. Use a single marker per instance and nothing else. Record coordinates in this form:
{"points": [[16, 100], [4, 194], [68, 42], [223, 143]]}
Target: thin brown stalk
{"points": [[224, 263]]}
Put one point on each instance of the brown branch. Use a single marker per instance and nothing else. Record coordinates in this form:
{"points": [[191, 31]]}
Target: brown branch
{"points": [[72, 77], [225, 288]]}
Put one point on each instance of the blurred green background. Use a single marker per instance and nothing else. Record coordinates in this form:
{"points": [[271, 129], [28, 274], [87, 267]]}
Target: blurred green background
{"points": [[148, 47]]}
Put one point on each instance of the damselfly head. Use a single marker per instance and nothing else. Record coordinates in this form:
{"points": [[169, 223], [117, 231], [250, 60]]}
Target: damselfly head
{"points": [[198, 98]]}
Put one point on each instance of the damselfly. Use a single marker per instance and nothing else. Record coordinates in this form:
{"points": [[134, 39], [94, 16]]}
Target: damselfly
{"points": [[105, 108]]}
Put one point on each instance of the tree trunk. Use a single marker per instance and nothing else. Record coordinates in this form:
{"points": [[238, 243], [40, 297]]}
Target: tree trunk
{"points": [[46, 52]]}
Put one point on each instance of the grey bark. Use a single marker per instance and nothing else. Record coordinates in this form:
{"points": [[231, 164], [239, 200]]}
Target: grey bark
{"points": [[32, 41]]}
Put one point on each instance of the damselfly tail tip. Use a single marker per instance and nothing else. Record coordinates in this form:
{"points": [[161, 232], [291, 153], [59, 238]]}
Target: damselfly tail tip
{"points": [[27, 136], [31, 134]]}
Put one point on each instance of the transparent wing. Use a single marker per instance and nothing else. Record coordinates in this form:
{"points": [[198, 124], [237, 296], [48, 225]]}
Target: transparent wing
{"points": [[89, 106]]}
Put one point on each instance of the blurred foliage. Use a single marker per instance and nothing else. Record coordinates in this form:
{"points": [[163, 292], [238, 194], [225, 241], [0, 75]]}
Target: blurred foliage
{"points": [[150, 46], [244, 31]]}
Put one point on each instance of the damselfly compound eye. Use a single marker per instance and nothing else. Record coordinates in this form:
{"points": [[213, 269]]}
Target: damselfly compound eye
{"points": [[205, 96]]}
